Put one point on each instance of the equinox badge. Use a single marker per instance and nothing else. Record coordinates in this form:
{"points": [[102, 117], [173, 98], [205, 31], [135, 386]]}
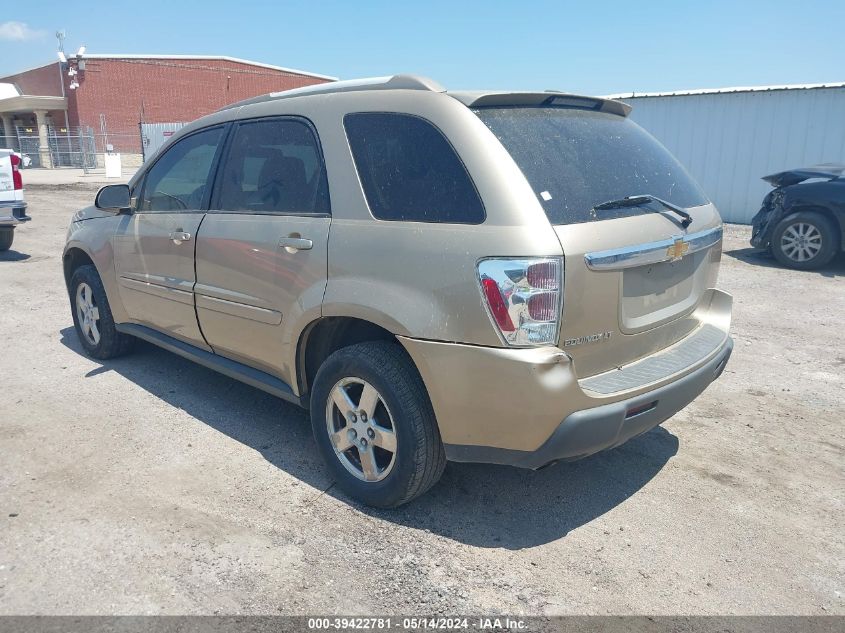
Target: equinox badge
{"points": [[589, 338]]}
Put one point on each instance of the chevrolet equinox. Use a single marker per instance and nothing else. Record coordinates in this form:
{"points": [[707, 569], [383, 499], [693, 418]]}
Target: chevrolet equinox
{"points": [[506, 277]]}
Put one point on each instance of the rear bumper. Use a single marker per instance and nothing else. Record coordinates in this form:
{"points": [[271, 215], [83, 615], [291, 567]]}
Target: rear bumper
{"points": [[12, 214], [593, 430], [528, 407]]}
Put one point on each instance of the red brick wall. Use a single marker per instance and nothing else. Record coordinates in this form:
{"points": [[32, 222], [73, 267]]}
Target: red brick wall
{"points": [[169, 89], [43, 81]]}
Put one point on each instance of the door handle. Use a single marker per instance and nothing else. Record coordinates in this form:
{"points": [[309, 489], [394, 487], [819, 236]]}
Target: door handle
{"points": [[293, 244], [180, 236]]}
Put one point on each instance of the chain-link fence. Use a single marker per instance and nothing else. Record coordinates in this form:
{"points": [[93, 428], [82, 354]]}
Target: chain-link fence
{"points": [[74, 147]]}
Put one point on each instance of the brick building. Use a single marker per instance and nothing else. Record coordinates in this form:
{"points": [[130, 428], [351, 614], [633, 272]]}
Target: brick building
{"points": [[107, 96]]}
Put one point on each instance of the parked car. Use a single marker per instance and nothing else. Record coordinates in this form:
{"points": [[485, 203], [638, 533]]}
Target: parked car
{"points": [[802, 220], [12, 204], [516, 278]]}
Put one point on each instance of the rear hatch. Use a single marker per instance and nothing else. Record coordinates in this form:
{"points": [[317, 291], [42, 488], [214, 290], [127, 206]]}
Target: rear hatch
{"points": [[636, 277]]}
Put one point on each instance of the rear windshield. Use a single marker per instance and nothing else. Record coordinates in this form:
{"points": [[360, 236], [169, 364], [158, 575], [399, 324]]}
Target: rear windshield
{"points": [[575, 159]]}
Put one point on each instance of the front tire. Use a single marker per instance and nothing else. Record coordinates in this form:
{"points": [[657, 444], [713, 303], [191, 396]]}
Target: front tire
{"points": [[805, 241], [7, 236], [92, 316], [374, 424]]}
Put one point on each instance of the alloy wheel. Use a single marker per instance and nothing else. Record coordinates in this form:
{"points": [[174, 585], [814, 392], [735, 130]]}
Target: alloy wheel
{"points": [[87, 313], [361, 429], [801, 241]]}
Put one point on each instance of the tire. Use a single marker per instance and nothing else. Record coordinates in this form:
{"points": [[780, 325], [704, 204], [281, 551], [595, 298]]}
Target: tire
{"points": [[805, 240], [7, 236], [108, 342], [401, 405]]}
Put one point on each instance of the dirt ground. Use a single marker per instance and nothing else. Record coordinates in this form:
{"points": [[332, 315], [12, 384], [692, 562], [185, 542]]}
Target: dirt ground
{"points": [[151, 485]]}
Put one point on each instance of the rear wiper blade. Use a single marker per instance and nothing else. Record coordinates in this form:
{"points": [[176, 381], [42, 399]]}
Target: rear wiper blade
{"points": [[641, 199]]}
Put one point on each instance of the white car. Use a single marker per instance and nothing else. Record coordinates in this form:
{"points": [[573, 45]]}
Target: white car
{"points": [[12, 205]]}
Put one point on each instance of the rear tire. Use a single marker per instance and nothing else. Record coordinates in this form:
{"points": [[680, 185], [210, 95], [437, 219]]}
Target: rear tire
{"points": [[92, 316], [805, 240], [374, 424], [7, 236]]}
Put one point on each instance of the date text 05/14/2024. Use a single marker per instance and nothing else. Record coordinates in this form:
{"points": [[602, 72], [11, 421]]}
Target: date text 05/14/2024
{"points": [[417, 623]]}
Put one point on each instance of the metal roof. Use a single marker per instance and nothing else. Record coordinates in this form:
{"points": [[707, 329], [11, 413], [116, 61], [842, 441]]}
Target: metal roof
{"points": [[708, 91]]}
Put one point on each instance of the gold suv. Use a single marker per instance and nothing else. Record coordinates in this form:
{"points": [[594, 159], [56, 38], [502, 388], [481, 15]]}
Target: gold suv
{"points": [[507, 277]]}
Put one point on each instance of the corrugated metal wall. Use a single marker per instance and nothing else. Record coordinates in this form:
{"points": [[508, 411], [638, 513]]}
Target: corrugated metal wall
{"points": [[728, 141], [154, 135]]}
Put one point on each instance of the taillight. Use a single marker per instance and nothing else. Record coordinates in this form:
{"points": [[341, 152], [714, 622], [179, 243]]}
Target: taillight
{"points": [[543, 275], [16, 172], [523, 298], [496, 303], [542, 306]]}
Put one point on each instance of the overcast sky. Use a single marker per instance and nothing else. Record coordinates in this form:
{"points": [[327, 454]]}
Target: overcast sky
{"points": [[596, 47]]}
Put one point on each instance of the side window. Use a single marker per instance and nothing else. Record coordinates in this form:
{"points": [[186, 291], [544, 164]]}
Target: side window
{"points": [[274, 166], [179, 179], [409, 171]]}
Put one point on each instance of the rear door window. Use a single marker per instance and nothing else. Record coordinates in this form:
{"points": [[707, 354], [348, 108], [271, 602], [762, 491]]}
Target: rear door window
{"points": [[575, 159], [409, 171], [274, 166]]}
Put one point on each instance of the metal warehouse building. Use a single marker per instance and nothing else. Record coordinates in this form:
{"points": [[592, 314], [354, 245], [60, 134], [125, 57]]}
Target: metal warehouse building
{"points": [[68, 113], [729, 138]]}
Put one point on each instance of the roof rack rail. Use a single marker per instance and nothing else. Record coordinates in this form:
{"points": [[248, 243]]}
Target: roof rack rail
{"points": [[395, 82]]}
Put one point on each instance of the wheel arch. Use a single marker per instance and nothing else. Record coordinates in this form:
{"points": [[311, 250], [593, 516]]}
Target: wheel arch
{"points": [[74, 257], [81, 253], [324, 336]]}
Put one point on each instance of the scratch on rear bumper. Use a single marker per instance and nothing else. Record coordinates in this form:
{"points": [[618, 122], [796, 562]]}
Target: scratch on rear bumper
{"points": [[687, 353], [590, 431]]}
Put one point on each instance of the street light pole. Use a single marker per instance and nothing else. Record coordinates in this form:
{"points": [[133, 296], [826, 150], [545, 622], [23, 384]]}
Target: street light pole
{"points": [[60, 36]]}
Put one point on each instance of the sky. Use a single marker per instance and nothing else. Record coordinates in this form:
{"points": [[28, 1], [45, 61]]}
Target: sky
{"points": [[598, 47]]}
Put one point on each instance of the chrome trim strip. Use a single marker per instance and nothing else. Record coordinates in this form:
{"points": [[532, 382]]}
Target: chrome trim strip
{"points": [[652, 252], [242, 310], [704, 239], [157, 290]]}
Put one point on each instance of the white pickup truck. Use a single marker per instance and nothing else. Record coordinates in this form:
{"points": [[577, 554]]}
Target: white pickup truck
{"points": [[12, 205]]}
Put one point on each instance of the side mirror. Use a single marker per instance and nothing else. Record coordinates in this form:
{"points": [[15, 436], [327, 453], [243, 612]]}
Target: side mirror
{"points": [[114, 198]]}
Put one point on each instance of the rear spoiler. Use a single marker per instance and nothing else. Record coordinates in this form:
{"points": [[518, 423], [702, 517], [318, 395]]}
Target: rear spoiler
{"points": [[549, 98]]}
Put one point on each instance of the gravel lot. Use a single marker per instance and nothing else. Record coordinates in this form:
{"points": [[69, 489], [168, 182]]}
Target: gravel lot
{"points": [[151, 485]]}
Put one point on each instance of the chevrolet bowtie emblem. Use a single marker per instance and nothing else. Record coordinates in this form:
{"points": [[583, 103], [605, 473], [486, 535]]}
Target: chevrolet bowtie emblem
{"points": [[677, 250]]}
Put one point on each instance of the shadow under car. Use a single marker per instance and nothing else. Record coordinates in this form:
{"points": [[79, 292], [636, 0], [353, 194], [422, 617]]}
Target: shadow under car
{"points": [[476, 504]]}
